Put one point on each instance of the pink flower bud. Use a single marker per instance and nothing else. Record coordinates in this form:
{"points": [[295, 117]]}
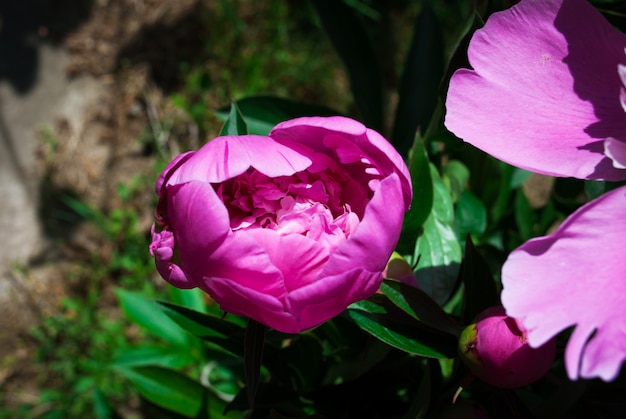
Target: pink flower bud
{"points": [[496, 350]]}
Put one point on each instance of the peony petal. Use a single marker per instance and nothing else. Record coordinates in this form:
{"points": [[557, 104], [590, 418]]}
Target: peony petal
{"points": [[375, 238], [316, 303], [298, 258], [616, 151], [576, 276], [226, 157], [312, 131], [162, 249], [170, 169], [545, 90], [264, 308], [208, 248]]}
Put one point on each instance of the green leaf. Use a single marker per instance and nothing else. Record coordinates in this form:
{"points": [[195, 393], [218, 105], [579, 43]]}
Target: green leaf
{"points": [[419, 87], [480, 291], [220, 331], [438, 249], [163, 356], [352, 42], [102, 407], [524, 216], [379, 317], [417, 304], [147, 314], [442, 209], [422, 202], [470, 215], [262, 113], [191, 298], [168, 389], [234, 124], [254, 342], [439, 255], [456, 177]]}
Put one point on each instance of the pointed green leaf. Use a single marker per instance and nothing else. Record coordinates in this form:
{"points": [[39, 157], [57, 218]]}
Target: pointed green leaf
{"points": [[234, 124], [417, 304], [164, 356], [191, 298], [147, 314], [379, 317], [167, 388], [262, 113], [221, 331]]}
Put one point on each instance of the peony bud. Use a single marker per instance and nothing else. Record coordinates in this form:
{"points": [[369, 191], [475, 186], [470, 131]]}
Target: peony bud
{"points": [[495, 349]]}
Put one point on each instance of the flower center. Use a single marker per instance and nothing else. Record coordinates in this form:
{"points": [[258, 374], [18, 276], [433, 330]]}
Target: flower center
{"points": [[324, 204]]}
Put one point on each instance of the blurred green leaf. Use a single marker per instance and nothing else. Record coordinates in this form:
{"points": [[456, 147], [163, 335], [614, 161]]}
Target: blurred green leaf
{"points": [[234, 124], [456, 177], [163, 356], [262, 113], [352, 42], [147, 314], [470, 215], [191, 298], [379, 317], [524, 216], [422, 202], [417, 304], [102, 407], [480, 291], [419, 87], [168, 389]]}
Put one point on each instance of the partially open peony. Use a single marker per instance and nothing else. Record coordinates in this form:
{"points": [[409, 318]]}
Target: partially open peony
{"points": [[287, 229]]}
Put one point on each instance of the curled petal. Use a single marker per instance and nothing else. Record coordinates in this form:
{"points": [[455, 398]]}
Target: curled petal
{"points": [[544, 93], [312, 131], [162, 249], [576, 277], [231, 156], [170, 169]]}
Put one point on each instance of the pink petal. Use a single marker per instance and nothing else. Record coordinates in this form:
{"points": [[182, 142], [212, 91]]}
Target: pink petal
{"points": [[162, 249], [312, 131], [170, 169], [616, 151], [208, 248], [576, 276], [375, 238], [226, 157], [262, 307], [314, 304], [545, 90], [298, 258]]}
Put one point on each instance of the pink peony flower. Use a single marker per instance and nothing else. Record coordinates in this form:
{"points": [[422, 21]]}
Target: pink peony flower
{"points": [[287, 229], [547, 94], [496, 350]]}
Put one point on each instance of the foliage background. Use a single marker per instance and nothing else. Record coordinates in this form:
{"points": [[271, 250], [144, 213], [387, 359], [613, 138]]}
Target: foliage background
{"points": [[103, 347]]}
